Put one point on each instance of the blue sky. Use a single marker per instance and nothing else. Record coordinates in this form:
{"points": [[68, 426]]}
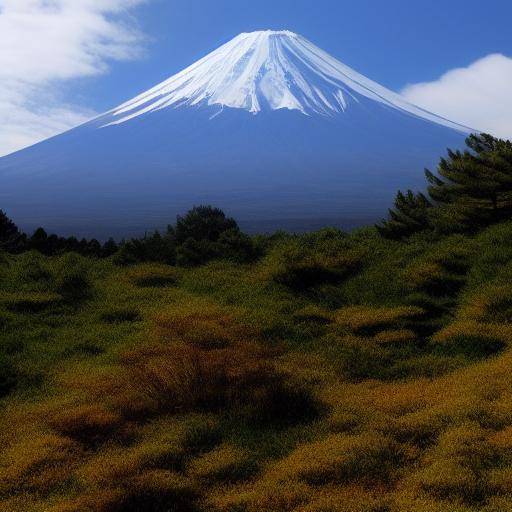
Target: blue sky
{"points": [[63, 61], [394, 42]]}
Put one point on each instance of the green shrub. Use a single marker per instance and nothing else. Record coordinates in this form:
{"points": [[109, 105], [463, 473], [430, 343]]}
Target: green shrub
{"points": [[31, 302], [72, 279], [31, 269], [304, 262], [238, 247], [153, 276], [193, 253], [153, 248], [203, 223]]}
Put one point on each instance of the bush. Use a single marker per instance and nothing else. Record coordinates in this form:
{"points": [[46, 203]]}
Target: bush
{"points": [[153, 276], [207, 362], [340, 459], [304, 262], [203, 223], [152, 248], [87, 424], [72, 279], [31, 302]]}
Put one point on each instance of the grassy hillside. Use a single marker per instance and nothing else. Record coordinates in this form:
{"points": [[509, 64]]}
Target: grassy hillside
{"points": [[338, 373]]}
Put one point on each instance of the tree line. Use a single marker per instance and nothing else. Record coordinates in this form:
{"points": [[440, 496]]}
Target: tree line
{"points": [[205, 233], [471, 190]]}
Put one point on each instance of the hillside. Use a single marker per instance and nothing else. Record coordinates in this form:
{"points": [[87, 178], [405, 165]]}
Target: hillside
{"points": [[336, 373]]}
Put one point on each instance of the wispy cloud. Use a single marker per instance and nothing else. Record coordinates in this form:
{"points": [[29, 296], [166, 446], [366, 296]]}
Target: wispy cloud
{"points": [[478, 96], [46, 43]]}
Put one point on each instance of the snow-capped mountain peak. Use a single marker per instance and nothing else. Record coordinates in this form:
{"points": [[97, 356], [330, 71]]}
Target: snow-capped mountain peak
{"points": [[268, 70]]}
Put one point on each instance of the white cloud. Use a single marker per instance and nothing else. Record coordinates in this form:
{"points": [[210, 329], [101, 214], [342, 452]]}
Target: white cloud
{"points": [[478, 96], [46, 42]]}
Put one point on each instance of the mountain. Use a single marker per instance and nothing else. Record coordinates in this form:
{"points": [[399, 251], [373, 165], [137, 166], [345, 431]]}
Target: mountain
{"points": [[268, 127]]}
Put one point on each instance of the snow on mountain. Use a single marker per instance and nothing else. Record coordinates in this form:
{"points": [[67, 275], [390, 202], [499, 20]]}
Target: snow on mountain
{"points": [[269, 70]]}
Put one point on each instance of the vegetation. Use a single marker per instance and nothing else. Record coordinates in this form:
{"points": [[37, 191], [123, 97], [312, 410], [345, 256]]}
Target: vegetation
{"points": [[472, 189], [327, 372]]}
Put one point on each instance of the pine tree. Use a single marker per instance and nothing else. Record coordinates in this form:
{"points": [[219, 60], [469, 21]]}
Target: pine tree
{"points": [[410, 215], [39, 241], [11, 239], [471, 190], [474, 186], [109, 248]]}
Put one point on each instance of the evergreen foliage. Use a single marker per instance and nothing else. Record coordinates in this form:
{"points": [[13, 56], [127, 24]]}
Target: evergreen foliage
{"points": [[11, 239], [409, 215], [202, 235], [203, 223], [472, 189]]}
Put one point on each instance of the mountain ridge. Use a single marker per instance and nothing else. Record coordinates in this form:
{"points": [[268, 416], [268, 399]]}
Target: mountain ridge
{"points": [[269, 70]]}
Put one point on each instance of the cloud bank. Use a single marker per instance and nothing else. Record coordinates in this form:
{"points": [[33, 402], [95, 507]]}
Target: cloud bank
{"points": [[478, 96], [47, 42]]}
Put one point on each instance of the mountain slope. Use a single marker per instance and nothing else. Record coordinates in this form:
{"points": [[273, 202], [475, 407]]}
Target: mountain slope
{"points": [[269, 70], [268, 126]]}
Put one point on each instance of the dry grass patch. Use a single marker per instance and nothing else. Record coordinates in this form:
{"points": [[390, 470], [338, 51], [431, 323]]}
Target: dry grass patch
{"points": [[432, 278], [473, 339], [225, 463], [368, 457], [344, 499], [395, 337], [39, 463], [202, 324], [491, 304], [30, 302], [366, 320], [153, 276], [87, 424]]}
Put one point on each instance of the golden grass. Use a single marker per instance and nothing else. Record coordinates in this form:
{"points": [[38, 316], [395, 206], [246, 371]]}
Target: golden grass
{"points": [[152, 275], [344, 499], [395, 337], [362, 319], [339, 458], [39, 463], [493, 303], [30, 302], [162, 425], [88, 424], [225, 463], [202, 324]]}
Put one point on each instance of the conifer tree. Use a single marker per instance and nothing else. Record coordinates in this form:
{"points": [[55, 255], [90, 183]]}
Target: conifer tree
{"points": [[471, 190], [410, 215], [11, 239], [474, 186]]}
